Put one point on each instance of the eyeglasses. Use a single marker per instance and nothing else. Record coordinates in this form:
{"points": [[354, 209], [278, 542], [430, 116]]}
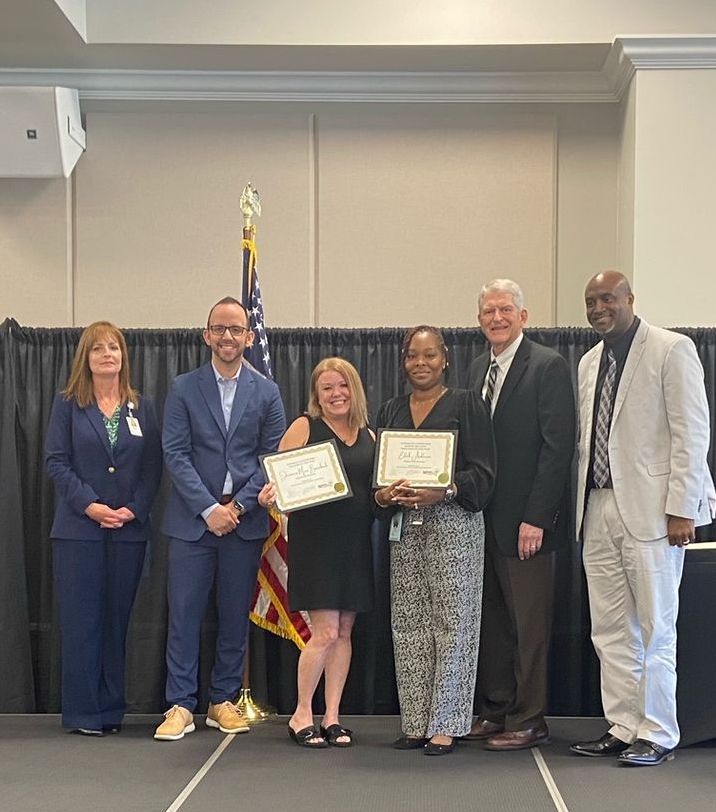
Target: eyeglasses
{"points": [[235, 329]]}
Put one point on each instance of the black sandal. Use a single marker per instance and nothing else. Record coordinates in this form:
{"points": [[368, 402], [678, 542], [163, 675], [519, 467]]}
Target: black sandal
{"points": [[334, 732], [303, 737]]}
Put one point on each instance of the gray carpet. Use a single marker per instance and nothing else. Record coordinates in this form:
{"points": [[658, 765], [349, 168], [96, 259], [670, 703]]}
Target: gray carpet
{"points": [[44, 768]]}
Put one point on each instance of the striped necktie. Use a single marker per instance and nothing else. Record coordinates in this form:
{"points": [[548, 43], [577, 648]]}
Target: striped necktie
{"points": [[490, 389], [600, 468]]}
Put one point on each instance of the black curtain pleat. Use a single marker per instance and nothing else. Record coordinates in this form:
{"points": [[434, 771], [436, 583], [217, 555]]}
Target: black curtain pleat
{"points": [[34, 364]]}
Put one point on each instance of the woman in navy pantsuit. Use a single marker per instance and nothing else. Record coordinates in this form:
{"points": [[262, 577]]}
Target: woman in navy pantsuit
{"points": [[103, 452]]}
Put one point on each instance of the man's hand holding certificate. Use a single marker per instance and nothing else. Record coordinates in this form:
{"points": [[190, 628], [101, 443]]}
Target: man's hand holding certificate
{"points": [[307, 476]]}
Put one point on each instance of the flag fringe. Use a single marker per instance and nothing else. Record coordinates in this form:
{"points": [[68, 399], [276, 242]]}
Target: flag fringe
{"points": [[287, 631]]}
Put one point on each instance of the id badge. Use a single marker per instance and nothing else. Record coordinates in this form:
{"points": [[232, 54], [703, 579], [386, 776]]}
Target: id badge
{"points": [[396, 527], [134, 428]]}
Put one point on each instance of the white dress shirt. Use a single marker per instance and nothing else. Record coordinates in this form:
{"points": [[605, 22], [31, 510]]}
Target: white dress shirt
{"points": [[504, 362]]}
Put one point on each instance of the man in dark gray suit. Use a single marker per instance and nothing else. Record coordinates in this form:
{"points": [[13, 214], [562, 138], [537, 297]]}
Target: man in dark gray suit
{"points": [[528, 389]]}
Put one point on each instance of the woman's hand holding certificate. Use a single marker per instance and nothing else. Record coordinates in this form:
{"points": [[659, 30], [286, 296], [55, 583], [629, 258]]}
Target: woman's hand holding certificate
{"points": [[307, 476], [426, 459]]}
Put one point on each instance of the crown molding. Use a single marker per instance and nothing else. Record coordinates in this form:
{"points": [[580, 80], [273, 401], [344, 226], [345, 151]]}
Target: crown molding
{"points": [[631, 54], [618, 70], [319, 86], [669, 53], [608, 85]]}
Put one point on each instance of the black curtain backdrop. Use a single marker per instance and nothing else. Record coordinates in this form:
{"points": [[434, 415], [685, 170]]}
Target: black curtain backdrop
{"points": [[35, 363]]}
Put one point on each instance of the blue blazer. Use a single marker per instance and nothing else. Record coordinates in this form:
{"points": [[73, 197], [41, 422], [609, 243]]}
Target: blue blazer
{"points": [[86, 469], [198, 449]]}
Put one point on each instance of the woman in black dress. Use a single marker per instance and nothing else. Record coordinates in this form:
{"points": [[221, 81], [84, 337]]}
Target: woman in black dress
{"points": [[436, 566], [329, 552]]}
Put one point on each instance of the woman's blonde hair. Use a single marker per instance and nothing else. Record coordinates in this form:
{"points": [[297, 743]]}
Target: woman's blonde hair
{"points": [[79, 386], [358, 414]]}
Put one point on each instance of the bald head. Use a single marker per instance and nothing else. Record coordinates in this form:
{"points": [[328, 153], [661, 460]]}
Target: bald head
{"points": [[610, 304], [615, 279]]}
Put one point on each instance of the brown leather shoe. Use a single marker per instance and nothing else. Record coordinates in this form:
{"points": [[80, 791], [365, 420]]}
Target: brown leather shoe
{"points": [[483, 729], [518, 739]]}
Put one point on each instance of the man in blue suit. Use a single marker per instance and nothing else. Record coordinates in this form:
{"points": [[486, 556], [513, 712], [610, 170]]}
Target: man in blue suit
{"points": [[218, 420]]}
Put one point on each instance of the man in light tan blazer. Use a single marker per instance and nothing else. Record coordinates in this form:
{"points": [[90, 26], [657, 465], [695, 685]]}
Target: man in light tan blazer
{"points": [[643, 486]]}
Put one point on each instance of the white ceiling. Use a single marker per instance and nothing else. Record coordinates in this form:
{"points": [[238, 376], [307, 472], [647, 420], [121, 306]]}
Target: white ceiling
{"points": [[40, 45], [36, 34], [384, 22]]}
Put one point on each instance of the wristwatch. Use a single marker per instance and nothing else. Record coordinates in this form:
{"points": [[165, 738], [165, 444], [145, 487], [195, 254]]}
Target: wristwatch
{"points": [[450, 493], [238, 507]]}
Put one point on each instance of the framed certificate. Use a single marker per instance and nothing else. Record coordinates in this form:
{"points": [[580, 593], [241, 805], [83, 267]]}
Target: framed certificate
{"points": [[425, 458], [307, 476]]}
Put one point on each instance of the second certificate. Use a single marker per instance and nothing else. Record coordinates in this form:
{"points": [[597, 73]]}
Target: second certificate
{"points": [[425, 458], [307, 476]]}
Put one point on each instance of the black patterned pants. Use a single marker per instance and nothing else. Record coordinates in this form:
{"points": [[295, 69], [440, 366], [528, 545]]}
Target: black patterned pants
{"points": [[436, 597]]}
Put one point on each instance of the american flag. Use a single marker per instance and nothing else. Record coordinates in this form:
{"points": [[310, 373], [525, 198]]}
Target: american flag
{"points": [[257, 354], [269, 609]]}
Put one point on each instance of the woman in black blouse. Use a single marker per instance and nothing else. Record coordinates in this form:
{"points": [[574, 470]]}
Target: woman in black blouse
{"points": [[436, 566]]}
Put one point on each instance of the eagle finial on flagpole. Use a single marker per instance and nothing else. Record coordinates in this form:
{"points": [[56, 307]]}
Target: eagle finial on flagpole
{"points": [[250, 204]]}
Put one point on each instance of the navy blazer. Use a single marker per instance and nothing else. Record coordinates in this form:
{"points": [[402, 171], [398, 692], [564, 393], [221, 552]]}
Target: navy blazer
{"points": [[86, 469], [198, 449]]}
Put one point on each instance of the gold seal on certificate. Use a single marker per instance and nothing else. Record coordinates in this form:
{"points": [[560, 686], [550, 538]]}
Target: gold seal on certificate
{"points": [[307, 476], [425, 458]]}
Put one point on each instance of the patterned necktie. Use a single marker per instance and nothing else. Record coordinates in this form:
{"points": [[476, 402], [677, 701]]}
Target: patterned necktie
{"points": [[601, 433], [490, 389]]}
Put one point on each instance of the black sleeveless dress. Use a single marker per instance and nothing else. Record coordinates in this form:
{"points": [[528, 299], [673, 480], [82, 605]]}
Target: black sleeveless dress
{"points": [[330, 560]]}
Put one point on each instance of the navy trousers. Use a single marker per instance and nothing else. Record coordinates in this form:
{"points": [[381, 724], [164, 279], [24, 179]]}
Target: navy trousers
{"points": [[95, 586], [193, 567]]}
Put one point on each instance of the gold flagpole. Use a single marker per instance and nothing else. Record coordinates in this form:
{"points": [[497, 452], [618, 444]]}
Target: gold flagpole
{"points": [[254, 712]]}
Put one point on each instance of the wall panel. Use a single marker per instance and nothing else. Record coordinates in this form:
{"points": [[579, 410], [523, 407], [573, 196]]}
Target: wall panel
{"points": [[158, 222], [418, 206]]}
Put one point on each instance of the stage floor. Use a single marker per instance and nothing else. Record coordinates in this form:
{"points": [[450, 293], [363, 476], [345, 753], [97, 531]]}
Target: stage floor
{"points": [[44, 768]]}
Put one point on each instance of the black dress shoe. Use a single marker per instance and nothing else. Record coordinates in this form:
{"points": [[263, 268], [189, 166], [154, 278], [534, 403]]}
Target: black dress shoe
{"points": [[433, 749], [644, 753], [409, 743], [608, 745]]}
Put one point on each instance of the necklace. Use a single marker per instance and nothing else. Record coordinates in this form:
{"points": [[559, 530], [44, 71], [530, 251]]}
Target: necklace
{"points": [[422, 401], [338, 434], [420, 408]]}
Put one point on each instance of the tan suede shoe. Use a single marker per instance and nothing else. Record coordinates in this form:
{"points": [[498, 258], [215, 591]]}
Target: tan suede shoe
{"points": [[177, 722], [227, 717]]}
